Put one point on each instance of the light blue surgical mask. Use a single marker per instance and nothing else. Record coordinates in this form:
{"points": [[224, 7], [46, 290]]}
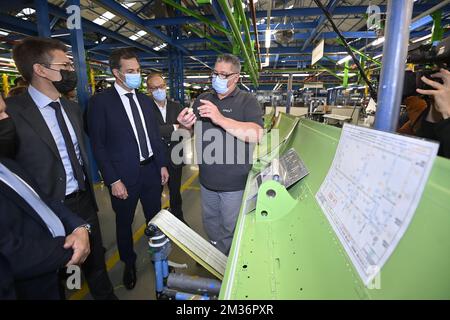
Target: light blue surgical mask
{"points": [[159, 94], [132, 80], [220, 85]]}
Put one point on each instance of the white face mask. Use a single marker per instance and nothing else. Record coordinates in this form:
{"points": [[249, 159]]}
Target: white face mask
{"points": [[159, 94], [220, 85]]}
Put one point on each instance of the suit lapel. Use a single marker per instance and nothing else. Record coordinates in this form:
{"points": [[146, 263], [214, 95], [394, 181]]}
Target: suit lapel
{"points": [[159, 116], [33, 116], [147, 112], [78, 132], [19, 201], [121, 112]]}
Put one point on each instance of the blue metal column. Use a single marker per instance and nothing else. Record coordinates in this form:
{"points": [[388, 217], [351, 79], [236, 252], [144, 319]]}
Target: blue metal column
{"points": [[392, 76], [79, 59], [43, 23]]}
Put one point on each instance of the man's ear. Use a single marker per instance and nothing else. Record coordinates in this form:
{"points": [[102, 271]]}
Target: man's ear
{"points": [[39, 70], [116, 73]]}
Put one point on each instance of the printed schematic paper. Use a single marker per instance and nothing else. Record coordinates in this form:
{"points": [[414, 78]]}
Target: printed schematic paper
{"points": [[371, 192]]}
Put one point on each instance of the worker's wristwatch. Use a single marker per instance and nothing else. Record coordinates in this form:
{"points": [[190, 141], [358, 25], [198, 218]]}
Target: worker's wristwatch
{"points": [[87, 227]]}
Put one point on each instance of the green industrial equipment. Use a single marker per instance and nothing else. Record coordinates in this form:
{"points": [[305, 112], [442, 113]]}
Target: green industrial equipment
{"points": [[293, 252]]}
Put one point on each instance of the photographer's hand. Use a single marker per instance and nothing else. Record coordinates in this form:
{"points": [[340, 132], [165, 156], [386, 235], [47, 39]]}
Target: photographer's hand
{"points": [[442, 93]]}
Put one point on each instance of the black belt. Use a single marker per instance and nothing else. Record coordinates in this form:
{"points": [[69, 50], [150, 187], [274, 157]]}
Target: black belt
{"points": [[147, 161], [75, 194]]}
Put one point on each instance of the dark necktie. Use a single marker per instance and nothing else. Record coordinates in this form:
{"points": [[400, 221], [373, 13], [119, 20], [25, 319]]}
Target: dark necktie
{"points": [[139, 126], [76, 166]]}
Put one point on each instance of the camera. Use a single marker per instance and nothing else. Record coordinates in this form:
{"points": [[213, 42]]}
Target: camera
{"points": [[430, 59]]}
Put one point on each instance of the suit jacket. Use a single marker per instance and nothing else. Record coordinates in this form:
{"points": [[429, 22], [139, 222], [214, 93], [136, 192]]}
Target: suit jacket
{"points": [[36, 150], [34, 256], [173, 109], [113, 141], [7, 291]]}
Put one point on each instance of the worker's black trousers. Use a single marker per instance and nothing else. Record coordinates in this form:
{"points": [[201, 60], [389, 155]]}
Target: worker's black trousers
{"points": [[174, 191]]}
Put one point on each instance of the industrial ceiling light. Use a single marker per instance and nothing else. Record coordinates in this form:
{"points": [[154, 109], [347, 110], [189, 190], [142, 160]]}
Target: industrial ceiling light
{"points": [[344, 60], [268, 38], [377, 42], [422, 39]]}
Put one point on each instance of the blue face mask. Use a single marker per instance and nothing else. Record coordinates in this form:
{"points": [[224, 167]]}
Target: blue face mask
{"points": [[133, 80], [159, 94], [220, 85]]}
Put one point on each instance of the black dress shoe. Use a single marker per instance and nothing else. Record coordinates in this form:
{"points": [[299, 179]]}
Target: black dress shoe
{"points": [[129, 276]]}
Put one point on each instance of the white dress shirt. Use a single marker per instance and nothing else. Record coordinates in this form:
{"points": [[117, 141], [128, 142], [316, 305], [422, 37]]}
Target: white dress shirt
{"points": [[162, 109], [49, 115], [126, 104]]}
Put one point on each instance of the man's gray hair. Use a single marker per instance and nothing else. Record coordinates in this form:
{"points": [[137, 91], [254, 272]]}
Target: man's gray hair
{"points": [[229, 58]]}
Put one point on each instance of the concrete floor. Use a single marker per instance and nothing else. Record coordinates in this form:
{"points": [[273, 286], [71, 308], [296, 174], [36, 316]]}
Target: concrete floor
{"points": [[145, 286]]}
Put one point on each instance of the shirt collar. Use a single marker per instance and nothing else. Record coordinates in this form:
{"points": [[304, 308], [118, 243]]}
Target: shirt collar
{"points": [[121, 90], [40, 99], [164, 105], [232, 94]]}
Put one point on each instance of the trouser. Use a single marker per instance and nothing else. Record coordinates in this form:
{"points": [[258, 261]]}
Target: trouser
{"points": [[174, 191], [220, 212], [94, 268], [148, 190]]}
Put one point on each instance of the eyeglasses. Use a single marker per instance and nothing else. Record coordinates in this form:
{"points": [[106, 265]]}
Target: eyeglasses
{"points": [[163, 86], [221, 75], [67, 65]]}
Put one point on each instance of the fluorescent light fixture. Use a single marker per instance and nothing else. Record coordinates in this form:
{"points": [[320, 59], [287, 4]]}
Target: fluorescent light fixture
{"points": [[142, 33], [377, 42], [268, 38], [341, 74], [25, 12], [290, 7], [103, 38], [186, 84], [110, 79], [197, 77], [108, 15], [134, 37], [160, 47], [296, 75], [60, 35], [6, 60], [3, 33], [422, 39], [196, 87], [104, 18], [99, 21], [128, 5], [344, 60], [378, 56], [9, 70]]}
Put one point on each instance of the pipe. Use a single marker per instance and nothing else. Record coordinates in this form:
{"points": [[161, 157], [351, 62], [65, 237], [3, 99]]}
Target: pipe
{"points": [[240, 10], [255, 30], [392, 76], [196, 15], [197, 285], [350, 52], [431, 10], [237, 36]]}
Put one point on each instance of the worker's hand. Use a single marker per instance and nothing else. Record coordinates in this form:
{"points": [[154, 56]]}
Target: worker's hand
{"points": [[164, 175], [186, 118], [3, 114], [119, 190], [209, 110], [442, 93], [78, 241]]}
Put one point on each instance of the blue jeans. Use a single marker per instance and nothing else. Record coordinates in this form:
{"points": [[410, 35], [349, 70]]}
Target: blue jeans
{"points": [[220, 213]]}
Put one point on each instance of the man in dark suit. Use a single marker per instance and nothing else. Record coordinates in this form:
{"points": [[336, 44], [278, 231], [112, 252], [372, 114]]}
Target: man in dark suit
{"points": [[129, 152], [166, 113], [37, 237], [50, 144], [7, 291]]}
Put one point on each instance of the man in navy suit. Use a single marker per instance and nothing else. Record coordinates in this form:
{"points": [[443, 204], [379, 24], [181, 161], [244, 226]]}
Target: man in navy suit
{"points": [[37, 237], [129, 151]]}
